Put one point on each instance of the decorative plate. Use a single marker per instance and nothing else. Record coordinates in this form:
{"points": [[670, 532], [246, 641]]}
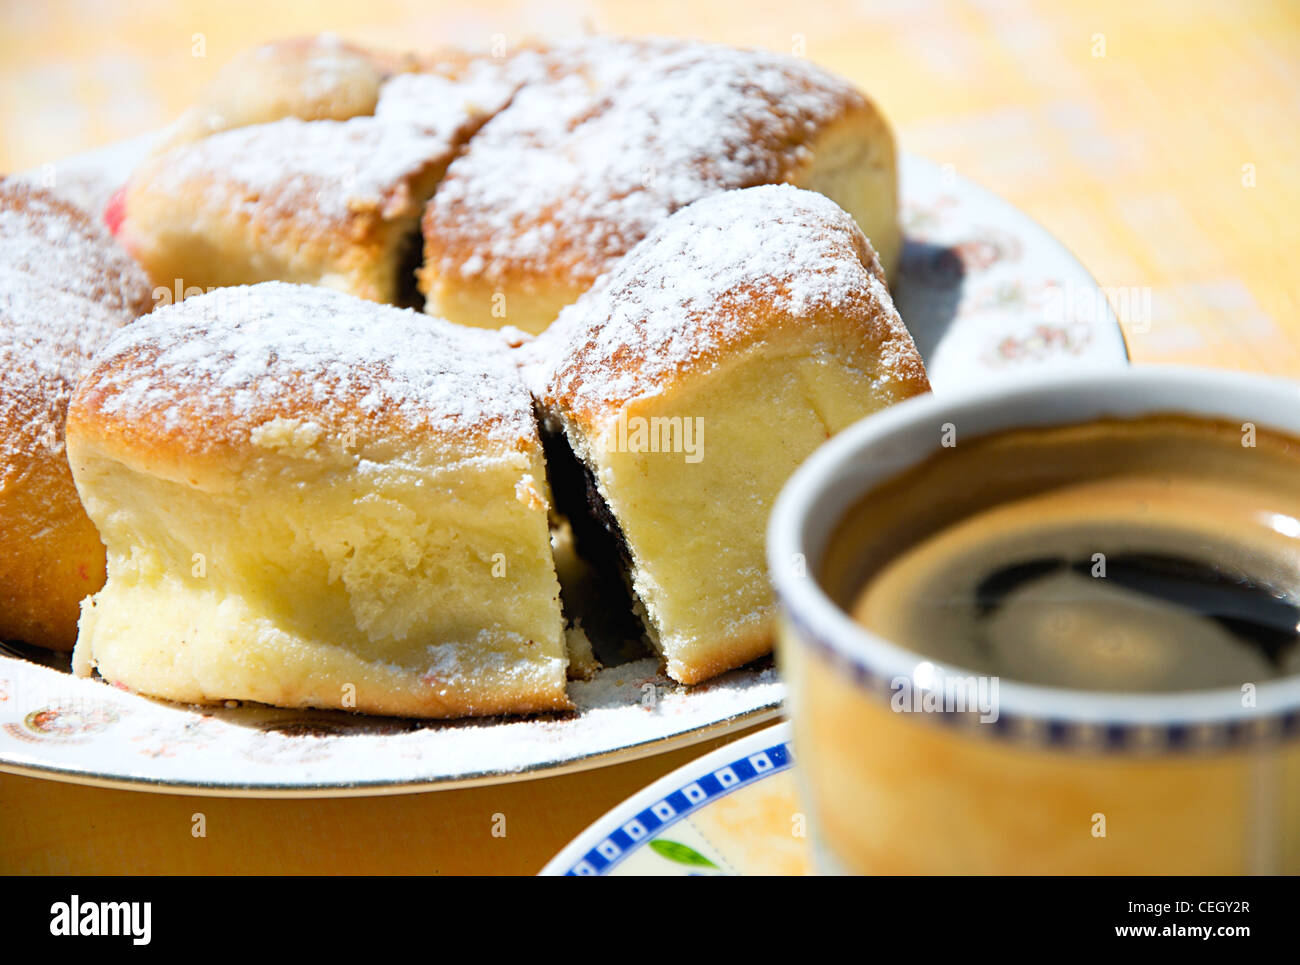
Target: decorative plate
{"points": [[984, 290], [734, 811]]}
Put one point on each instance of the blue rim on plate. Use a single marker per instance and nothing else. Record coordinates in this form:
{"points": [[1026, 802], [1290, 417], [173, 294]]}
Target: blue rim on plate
{"points": [[633, 824]]}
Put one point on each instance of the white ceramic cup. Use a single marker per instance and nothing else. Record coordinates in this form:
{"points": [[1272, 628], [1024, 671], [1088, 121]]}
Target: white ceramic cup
{"points": [[1065, 781]]}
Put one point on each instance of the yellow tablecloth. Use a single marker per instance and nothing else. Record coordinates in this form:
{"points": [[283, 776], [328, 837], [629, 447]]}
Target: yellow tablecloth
{"points": [[1159, 140]]}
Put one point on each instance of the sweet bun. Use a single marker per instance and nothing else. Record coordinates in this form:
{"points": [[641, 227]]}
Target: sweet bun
{"points": [[309, 499], [540, 169], [328, 203], [311, 78], [681, 392], [312, 500], [334, 203], [65, 286], [606, 138]]}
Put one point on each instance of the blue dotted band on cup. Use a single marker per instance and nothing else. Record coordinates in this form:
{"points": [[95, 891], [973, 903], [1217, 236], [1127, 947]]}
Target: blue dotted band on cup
{"points": [[1080, 736], [671, 808]]}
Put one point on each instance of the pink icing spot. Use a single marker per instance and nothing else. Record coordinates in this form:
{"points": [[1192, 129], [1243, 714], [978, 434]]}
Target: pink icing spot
{"points": [[115, 210]]}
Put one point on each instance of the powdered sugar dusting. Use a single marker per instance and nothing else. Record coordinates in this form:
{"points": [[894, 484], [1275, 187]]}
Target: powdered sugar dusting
{"points": [[309, 171], [620, 134], [65, 286], [443, 102], [703, 279], [328, 170], [226, 361], [329, 66]]}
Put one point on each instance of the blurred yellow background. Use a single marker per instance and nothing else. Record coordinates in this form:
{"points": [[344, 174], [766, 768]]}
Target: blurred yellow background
{"points": [[1159, 140]]}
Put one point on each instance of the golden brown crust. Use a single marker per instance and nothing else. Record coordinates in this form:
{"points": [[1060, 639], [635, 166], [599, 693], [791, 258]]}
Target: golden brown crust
{"points": [[322, 202], [725, 654], [188, 390], [305, 199], [469, 700], [57, 245], [723, 273], [604, 140], [64, 287], [50, 555], [311, 78]]}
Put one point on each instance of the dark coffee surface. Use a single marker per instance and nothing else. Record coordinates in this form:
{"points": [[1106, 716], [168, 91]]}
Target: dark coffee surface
{"points": [[1158, 554]]}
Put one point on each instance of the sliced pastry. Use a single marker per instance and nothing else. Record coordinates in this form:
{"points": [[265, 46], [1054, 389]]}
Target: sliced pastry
{"points": [[311, 500], [682, 391], [311, 78], [334, 203], [605, 138], [65, 287]]}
